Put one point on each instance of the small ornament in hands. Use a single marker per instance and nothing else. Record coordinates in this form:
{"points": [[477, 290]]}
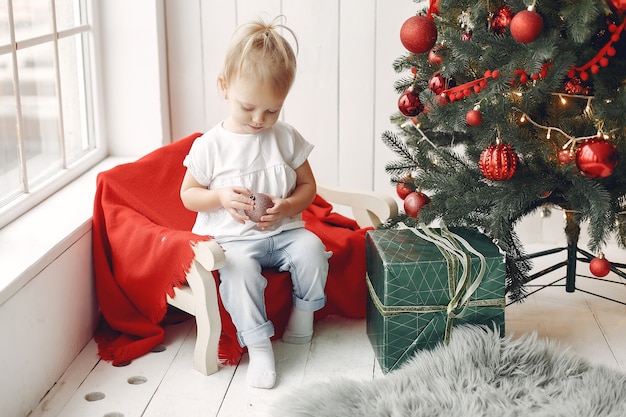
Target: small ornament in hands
{"points": [[261, 203], [600, 266]]}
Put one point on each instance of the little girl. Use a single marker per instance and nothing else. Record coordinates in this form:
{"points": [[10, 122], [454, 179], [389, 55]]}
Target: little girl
{"points": [[252, 152]]}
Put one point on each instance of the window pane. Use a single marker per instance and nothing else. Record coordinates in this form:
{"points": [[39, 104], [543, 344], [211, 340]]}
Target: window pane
{"points": [[4, 23], [10, 185], [68, 14], [48, 130], [39, 111], [32, 18], [75, 98]]}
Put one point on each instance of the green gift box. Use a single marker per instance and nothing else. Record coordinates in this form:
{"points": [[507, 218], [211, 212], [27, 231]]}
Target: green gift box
{"points": [[412, 282]]}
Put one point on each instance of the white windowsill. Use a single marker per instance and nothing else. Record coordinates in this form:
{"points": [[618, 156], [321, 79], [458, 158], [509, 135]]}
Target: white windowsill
{"points": [[30, 243]]}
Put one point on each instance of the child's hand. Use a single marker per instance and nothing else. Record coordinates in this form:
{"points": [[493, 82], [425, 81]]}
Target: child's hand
{"points": [[275, 214], [235, 200]]}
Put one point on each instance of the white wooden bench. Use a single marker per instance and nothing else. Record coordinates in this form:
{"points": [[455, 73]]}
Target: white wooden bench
{"points": [[199, 297]]}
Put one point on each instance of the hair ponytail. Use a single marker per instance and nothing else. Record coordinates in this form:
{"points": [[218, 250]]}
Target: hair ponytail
{"points": [[258, 49]]}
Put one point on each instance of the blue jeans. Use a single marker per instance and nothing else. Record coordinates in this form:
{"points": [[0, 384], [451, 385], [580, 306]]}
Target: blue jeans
{"points": [[242, 286]]}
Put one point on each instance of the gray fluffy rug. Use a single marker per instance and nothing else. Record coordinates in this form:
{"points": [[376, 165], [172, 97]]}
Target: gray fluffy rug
{"points": [[477, 374]]}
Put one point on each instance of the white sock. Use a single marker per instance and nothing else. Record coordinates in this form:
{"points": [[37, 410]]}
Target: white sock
{"points": [[261, 370], [299, 328]]}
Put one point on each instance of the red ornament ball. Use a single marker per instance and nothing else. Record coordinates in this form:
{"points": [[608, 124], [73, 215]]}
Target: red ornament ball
{"points": [[434, 55], [526, 26], [473, 117], [418, 34], [409, 103], [576, 86], [498, 162], [437, 83], [565, 156], [405, 187], [619, 5], [596, 158], [501, 19], [442, 99], [600, 266], [414, 202], [545, 194]]}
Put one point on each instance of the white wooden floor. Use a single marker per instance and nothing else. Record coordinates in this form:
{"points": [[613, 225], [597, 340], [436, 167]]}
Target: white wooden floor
{"points": [[165, 384]]}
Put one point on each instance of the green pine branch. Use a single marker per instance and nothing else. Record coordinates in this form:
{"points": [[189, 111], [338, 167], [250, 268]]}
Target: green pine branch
{"points": [[442, 151]]}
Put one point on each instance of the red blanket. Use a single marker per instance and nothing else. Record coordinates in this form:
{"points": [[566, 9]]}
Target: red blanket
{"points": [[141, 250]]}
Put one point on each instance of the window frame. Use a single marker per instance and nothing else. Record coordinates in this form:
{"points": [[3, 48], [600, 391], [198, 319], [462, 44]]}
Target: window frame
{"points": [[32, 195]]}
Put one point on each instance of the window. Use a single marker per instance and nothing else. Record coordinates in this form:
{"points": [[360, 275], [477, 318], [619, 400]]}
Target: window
{"points": [[46, 100]]}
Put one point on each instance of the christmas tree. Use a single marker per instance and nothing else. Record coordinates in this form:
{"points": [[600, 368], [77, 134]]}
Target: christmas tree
{"points": [[507, 106]]}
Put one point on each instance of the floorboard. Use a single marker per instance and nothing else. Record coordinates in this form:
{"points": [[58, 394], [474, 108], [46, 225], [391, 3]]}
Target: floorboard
{"points": [[165, 384]]}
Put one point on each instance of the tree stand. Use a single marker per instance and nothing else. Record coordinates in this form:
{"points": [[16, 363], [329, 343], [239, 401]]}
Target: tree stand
{"points": [[572, 232]]}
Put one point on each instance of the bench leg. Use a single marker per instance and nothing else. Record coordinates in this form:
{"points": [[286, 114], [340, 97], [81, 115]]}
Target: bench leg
{"points": [[208, 322]]}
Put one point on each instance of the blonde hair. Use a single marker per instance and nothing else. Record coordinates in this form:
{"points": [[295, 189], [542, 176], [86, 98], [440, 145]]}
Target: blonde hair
{"points": [[258, 51]]}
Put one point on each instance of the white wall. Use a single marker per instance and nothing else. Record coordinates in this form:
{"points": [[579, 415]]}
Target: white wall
{"points": [[44, 326], [343, 94], [133, 69]]}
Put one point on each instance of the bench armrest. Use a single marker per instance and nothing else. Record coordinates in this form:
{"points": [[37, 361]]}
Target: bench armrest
{"points": [[369, 208]]}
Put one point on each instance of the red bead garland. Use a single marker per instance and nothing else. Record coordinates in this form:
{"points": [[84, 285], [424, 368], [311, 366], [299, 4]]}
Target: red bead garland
{"points": [[600, 59], [465, 90], [619, 5]]}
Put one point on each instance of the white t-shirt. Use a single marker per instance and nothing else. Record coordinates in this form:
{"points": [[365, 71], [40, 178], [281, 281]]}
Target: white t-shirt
{"points": [[263, 163]]}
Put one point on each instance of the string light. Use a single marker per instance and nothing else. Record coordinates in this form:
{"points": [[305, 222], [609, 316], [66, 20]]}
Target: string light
{"points": [[564, 96], [417, 126], [549, 129], [571, 139]]}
